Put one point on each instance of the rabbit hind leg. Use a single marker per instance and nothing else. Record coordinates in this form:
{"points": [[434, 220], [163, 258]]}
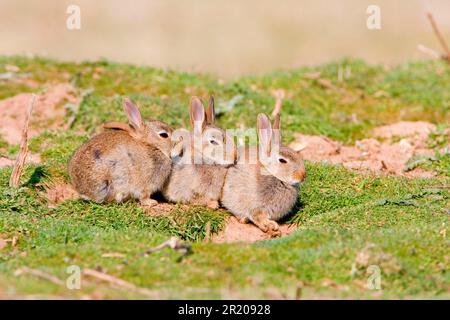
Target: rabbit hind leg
{"points": [[101, 192]]}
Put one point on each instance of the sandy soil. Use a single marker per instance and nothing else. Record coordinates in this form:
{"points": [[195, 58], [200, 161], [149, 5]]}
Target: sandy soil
{"points": [[57, 193], [48, 110], [235, 231], [388, 154], [48, 113]]}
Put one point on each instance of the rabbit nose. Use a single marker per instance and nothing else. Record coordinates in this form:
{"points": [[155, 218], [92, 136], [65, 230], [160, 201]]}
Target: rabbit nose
{"points": [[299, 175]]}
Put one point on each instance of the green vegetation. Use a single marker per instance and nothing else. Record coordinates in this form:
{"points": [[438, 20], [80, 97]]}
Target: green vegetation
{"points": [[402, 223], [346, 111]]}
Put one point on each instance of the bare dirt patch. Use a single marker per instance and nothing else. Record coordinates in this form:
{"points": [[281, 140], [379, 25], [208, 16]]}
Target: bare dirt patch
{"points": [[57, 193], [235, 231], [405, 129], [398, 143], [9, 162], [48, 112]]}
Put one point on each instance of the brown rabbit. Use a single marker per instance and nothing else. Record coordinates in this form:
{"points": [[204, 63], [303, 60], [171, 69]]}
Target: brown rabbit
{"points": [[130, 162], [266, 189], [198, 174]]}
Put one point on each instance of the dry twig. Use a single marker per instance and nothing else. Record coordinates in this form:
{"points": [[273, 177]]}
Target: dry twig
{"points": [[113, 255], [39, 274], [120, 283], [173, 243], [279, 96], [433, 53], [23, 151], [446, 55], [327, 84], [208, 232]]}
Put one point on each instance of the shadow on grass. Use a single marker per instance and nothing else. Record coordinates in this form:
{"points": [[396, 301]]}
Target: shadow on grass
{"points": [[39, 174], [296, 210]]}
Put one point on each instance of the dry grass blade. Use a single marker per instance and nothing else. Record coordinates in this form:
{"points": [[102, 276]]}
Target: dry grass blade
{"points": [[39, 274], [208, 232], [173, 243], [120, 283], [23, 151], [446, 55], [113, 255], [432, 53], [279, 96], [327, 84]]}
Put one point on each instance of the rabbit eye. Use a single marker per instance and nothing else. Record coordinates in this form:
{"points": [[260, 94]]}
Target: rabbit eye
{"points": [[281, 160], [164, 135], [214, 142]]}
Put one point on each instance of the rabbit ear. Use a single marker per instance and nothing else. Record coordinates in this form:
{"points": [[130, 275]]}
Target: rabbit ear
{"points": [[197, 113], [117, 126], [133, 114], [210, 112], [277, 130], [177, 149], [264, 133]]}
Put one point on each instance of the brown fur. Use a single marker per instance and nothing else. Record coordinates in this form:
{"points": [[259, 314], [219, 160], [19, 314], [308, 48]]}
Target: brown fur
{"points": [[264, 192], [123, 164], [200, 182]]}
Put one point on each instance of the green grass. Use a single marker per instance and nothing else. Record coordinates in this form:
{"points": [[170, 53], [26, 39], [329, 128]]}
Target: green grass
{"points": [[339, 213], [376, 96]]}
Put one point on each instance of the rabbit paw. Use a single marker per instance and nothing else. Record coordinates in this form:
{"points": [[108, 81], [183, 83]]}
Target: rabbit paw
{"points": [[243, 220], [148, 203], [274, 234], [213, 204], [272, 225], [273, 229], [262, 221], [119, 197]]}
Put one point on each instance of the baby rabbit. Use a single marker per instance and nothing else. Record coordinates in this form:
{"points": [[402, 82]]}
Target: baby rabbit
{"points": [[205, 153], [132, 161], [264, 190]]}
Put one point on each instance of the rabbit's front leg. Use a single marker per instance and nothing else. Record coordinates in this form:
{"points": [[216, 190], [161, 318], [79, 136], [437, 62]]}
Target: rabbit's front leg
{"points": [[205, 201], [261, 219], [212, 204]]}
